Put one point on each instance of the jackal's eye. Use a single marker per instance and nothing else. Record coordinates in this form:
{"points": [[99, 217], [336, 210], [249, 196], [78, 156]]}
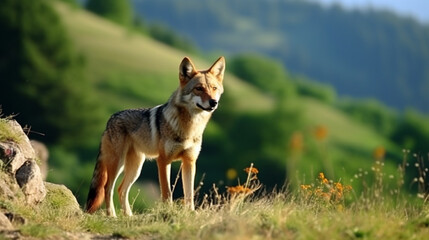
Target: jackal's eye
{"points": [[199, 88], [215, 88]]}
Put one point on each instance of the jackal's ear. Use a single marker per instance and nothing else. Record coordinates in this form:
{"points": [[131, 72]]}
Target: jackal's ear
{"points": [[186, 70], [218, 68]]}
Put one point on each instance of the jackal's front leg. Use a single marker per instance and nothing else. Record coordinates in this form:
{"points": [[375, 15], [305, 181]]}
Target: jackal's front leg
{"points": [[164, 170], [188, 176]]}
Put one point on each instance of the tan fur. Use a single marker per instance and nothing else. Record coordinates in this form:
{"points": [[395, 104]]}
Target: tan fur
{"points": [[168, 132]]}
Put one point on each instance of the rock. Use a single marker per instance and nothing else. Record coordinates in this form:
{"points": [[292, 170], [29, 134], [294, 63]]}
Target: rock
{"points": [[60, 198], [7, 230], [14, 154], [5, 190], [18, 158], [5, 224], [9, 189], [15, 219], [10, 234], [30, 180], [42, 154]]}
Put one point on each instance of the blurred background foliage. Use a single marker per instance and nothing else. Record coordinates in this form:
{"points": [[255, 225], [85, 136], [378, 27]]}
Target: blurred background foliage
{"points": [[293, 102], [365, 53]]}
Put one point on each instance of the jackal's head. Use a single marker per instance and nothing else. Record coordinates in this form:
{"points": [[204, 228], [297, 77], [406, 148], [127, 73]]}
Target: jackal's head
{"points": [[201, 90]]}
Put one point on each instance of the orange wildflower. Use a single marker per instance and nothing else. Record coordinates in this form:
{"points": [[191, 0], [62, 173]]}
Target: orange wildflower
{"points": [[329, 191], [323, 179], [297, 142], [379, 153], [321, 132], [252, 170], [239, 189], [339, 187]]}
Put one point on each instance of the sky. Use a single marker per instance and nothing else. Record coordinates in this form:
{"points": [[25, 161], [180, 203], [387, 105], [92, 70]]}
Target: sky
{"points": [[418, 9]]}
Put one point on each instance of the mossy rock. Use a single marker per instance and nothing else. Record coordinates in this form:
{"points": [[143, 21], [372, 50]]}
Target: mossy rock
{"points": [[61, 199], [9, 189]]}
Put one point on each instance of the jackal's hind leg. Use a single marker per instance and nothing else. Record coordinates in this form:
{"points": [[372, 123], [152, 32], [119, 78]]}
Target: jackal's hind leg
{"points": [[113, 172], [132, 167]]}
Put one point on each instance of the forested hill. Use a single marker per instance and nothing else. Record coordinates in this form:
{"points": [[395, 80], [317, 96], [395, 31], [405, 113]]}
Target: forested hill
{"points": [[361, 53]]}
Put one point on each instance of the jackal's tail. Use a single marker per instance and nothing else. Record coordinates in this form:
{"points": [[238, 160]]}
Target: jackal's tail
{"points": [[96, 190]]}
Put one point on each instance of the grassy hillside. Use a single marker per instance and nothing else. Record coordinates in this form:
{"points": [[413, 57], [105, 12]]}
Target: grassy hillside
{"points": [[357, 134], [349, 145], [127, 67]]}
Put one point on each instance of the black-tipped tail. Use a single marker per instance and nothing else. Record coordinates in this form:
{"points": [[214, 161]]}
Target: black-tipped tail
{"points": [[96, 190]]}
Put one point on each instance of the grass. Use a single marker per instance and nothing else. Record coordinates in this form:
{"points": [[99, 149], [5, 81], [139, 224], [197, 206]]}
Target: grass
{"points": [[273, 216], [253, 214], [8, 134]]}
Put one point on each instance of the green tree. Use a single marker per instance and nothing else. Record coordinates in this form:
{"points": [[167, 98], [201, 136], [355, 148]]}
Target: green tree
{"points": [[118, 11], [372, 113], [316, 90], [412, 132], [169, 37], [42, 78], [72, 3], [266, 73]]}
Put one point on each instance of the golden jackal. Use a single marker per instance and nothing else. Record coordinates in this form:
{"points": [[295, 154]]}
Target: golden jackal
{"points": [[168, 132]]}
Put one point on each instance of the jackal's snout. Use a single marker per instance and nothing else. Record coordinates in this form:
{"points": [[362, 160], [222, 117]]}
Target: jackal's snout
{"points": [[213, 103]]}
